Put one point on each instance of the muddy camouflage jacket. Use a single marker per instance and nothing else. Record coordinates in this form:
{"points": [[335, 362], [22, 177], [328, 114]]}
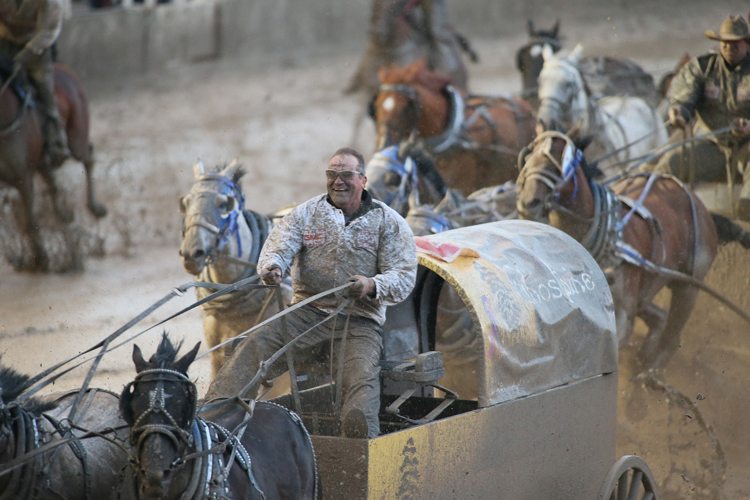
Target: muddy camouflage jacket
{"points": [[707, 87], [323, 253], [35, 24]]}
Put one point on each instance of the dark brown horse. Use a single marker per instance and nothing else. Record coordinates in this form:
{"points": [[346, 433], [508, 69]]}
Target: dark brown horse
{"points": [[643, 233], [475, 140], [238, 450], [22, 150], [84, 467]]}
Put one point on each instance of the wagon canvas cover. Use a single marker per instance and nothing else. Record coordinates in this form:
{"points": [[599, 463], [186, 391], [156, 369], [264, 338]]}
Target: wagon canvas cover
{"points": [[539, 301]]}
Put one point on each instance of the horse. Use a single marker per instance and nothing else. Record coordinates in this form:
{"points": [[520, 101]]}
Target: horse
{"points": [[474, 139], [84, 467], [605, 76], [221, 242], [238, 450], [22, 150], [622, 127], [393, 176], [647, 232]]}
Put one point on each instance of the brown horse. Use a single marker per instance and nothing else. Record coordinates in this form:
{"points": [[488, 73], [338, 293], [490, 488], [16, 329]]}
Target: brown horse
{"points": [[22, 150], [646, 233], [474, 139]]}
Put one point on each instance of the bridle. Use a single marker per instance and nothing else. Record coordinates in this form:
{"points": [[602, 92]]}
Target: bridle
{"points": [[412, 99], [227, 224], [563, 107], [604, 229], [176, 434], [209, 439], [389, 162]]}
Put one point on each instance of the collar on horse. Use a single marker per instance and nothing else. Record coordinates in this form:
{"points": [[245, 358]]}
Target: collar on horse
{"points": [[454, 129], [208, 440]]}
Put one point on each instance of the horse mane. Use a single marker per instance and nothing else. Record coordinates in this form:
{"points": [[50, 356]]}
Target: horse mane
{"points": [[414, 73], [165, 354], [12, 384]]}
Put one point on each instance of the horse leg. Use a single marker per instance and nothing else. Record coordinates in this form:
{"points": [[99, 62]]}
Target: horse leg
{"points": [[660, 346], [65, 214], [38, 259], [97, 209]]}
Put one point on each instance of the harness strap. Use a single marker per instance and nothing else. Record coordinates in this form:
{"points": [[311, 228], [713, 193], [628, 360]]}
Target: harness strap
{"points": [[453, 131], [76, 447]]}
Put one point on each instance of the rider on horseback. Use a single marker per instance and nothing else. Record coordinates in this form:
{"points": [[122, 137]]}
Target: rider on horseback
{"points": [[28, 28], [716, 89]]}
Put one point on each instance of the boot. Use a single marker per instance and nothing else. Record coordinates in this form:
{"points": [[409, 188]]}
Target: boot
{"points": [[56, 143]]}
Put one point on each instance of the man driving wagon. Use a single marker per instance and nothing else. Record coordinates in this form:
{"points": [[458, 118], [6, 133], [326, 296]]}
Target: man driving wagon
{"points": [[344, 235]]}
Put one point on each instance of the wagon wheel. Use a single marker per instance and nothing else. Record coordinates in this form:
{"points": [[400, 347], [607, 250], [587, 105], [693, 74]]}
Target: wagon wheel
{"points": [[628, 479]]}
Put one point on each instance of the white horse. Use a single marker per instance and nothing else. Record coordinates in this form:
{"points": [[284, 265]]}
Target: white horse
{"points": [[621, 127], [221, 242]]}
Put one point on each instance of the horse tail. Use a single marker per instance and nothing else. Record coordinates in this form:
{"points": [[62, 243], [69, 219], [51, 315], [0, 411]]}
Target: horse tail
{"points": [[729, 231]]}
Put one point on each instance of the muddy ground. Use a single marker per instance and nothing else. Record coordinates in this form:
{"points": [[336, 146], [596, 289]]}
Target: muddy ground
{"points": [[282, 120]]}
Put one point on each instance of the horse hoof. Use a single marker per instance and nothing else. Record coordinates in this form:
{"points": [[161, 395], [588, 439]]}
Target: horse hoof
{"points": [[97, 210]]}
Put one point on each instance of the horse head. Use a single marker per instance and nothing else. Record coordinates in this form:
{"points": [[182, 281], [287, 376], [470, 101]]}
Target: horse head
{"points": [[394, 174], [563, 95], [211, 211], [159, 405], [427, 219], [410, 99], [529, 58], [552, 178]]}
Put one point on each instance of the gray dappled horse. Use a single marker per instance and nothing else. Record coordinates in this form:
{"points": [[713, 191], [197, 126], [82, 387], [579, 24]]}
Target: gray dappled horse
{"points": [[221, 242], [238, 449], [621, 127], [604, 75], [80, 469]]}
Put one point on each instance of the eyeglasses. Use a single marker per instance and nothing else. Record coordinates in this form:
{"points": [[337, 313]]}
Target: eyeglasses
{"points": [[345, 175]]}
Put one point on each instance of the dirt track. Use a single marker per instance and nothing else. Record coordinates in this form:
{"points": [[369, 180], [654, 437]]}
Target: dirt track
{"points": [[282, 122]]}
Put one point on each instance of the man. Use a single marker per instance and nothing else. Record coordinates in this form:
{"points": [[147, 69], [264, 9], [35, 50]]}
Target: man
{"points": [[339, 237], [28, 28], [715, 89]]}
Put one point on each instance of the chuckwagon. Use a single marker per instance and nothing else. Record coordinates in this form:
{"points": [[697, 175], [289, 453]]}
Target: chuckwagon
{"points": [[500, 379]]}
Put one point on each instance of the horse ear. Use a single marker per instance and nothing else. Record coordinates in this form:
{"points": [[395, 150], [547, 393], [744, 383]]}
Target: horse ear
{"points": [[576, 53], [126, 411], [182, 364], [530, 27], [555, 28], [547, 52], [140, 363], [199, 169], [233, 170]]}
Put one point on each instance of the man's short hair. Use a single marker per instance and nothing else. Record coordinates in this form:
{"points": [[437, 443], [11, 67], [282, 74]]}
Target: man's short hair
{"points": [[352, 152]]}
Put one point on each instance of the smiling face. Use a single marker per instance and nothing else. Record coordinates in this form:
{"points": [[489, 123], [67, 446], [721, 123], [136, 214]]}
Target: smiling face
{"points": [[345, 182]]}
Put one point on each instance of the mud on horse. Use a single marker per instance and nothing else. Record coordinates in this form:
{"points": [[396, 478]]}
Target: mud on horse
{"points": [[239, 449], [221, 242], [474, 140], [642, 232], [22, 149]]}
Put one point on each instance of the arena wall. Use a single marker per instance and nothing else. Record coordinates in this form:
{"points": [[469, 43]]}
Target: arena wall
{"points": [[120, 41]]}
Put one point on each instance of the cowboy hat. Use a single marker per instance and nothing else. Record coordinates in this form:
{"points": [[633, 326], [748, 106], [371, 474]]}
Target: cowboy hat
{"points": [[732, 28]]}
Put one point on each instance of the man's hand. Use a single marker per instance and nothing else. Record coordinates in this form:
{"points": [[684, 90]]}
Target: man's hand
{"points": [[741, 127], [362, 287], [23, 57], [676, 118], [271, 275]]}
